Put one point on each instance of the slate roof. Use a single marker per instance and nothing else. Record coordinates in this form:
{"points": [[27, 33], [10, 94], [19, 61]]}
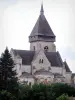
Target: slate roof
{"points": [[54, 58], [67, 67], [27, 57], [42, 28]]}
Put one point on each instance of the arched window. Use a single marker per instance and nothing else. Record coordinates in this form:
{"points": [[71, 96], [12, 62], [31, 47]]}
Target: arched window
{"points": [[46, 48], [40, 61]]}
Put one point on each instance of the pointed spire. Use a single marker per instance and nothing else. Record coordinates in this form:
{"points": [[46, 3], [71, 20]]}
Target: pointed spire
{"points": [[42, 10], [42, 30]]}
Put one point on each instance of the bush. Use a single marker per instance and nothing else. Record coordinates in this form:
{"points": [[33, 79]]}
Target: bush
{"points": [[24, 92], [4, 95], [60, 88], [63, 97], [40, 92], [45, 92]]}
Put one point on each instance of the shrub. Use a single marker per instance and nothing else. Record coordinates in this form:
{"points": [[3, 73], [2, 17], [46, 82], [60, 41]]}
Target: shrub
{"points": [[63, 97], [4, 95]]}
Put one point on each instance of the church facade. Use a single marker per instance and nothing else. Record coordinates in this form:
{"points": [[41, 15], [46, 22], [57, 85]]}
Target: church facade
{"points": [[42, 63]]}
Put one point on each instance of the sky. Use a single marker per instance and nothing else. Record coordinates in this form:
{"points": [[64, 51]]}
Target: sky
{"points": [[18, 17]]}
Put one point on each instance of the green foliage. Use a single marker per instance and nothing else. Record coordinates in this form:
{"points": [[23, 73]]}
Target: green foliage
{"points": [[44, 92], [24, 92], [41, 92], [8, 79], [4, 95], [63, 97], [60, 88], [36, 92]]}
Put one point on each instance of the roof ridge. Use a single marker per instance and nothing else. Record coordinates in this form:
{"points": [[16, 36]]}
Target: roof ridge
{"points": [[22, 50]]}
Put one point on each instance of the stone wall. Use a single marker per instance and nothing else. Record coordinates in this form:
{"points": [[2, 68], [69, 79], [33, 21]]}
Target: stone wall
{"points": [[56, 69], [38, 65], [40, 45]]}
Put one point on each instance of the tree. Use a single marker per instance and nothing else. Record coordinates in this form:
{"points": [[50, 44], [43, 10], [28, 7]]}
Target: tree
{"points": [[8, 79], [63, 97], [60, 88], [42, 92], [24, 92], [45, 92]]}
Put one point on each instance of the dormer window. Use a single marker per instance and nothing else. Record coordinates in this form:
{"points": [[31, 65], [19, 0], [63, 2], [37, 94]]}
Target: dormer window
{"points": [[40, 61], [46, 48]]}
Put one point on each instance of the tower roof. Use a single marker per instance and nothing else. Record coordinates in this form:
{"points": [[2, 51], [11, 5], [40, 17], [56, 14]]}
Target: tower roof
{"points": [[42, 28]]}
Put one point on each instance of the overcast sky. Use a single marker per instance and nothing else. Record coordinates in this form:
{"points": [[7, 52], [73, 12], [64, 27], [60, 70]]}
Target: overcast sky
{"points": [[17, 18]]}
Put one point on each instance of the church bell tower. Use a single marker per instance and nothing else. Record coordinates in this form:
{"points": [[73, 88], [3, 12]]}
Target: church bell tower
{"points": [[42, 36]]}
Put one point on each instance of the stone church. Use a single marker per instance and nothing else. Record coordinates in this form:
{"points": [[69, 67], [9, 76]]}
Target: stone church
{"points": [[42, 63]]}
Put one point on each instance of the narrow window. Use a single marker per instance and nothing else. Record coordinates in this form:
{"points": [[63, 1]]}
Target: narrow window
{"points": [[19, 66], [40, 61], [34, 48]]}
